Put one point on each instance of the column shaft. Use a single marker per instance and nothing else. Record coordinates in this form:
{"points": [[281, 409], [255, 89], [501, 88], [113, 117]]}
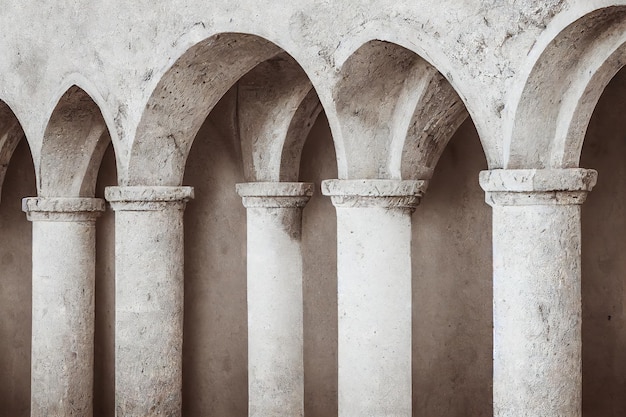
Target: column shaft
{"points": [[275, 303], [148, 298], [62, 305], [536, 290], [374, 294]]}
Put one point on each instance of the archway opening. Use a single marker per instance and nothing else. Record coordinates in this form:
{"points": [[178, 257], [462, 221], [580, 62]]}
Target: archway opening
{"points": [[16, 267], [104, 338], [603, 263], [255, 131], [77, 159], [452, 286], [402, 119]]}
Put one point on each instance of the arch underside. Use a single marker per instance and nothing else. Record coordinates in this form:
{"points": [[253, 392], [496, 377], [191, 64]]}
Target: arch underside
{"points": [[182, 100], [11, 134], [563, 89], [276, 107], [397, 113], [74, 143]]}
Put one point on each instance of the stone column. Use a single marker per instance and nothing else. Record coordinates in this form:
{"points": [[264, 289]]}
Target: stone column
{"points": [[536, 289], [275, 334], [374, 294], [149, 288], [64, 259]]}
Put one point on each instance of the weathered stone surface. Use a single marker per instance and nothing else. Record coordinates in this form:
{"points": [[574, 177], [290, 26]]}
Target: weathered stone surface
{"points": [[275, 299], [537, 187], [11, 134], [148, 298], [537, 290], [395, 80], [391, 194], [276, 108], [275, 194], [72, 146], [374, 294], [63, 304], [62, 208]]}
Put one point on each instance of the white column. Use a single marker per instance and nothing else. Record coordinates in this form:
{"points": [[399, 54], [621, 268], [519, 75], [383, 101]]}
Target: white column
{"points": [[275, 304], [536, 289], [149, 288], [62, 304], [374, 294]]}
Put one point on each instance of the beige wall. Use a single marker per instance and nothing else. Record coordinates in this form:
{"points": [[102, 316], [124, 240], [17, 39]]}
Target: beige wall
{"points": [[603, 261], [451, 269], [452, 287], [15, 286]]}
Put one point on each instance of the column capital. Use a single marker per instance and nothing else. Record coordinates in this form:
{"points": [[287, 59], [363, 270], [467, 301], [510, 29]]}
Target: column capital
{"points": [[392, 194], [525, 187], [147, 198], [275, 194], [62, 209]]}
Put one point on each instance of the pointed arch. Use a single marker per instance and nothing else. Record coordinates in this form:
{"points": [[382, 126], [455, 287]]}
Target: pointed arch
{"points": [[11, 133], [183, 98], [277, 106], [564, 83], [396, 111], [73, 144]]}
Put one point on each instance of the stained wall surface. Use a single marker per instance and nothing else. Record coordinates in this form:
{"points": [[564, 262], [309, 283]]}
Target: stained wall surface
{"points": [[451, 260], [603, 262], [451, 270], [15, 286], [452, 313]]}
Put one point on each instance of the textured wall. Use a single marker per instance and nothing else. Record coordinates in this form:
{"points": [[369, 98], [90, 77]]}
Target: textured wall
{"points": [[452, 287], [451, 269], [451, 293], [603, 261], [119, 52], [15, 287], [452, 296]]}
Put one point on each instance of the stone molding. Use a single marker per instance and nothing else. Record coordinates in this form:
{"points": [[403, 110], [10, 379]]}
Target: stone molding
{"points": [[390, 194], [148, 198], [63, 209], [525, 187], [275, 194]]}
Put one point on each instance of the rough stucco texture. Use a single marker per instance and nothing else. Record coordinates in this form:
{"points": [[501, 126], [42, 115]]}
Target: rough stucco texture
{"points": [[452, 319], [15, 287], [451, 280], [603, 262]]}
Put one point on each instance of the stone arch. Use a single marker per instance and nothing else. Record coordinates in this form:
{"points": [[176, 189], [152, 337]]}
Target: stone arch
{"points": [[397, 112], [276, 108], [191, 88], [11, 133], [16, 180], [74, 141], [552, 113]]}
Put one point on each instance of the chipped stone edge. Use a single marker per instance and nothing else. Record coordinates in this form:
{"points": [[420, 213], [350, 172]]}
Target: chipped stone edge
{"points": [[62, 209], [275, 194], [148, 198], [390, 194], [523, 187]]}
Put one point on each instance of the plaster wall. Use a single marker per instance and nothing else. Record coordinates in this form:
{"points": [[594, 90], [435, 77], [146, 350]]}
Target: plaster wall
{"points": [[603, 262], [15, 286], [452, 296], [451, 278], [452, 304], [119, 51]]}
